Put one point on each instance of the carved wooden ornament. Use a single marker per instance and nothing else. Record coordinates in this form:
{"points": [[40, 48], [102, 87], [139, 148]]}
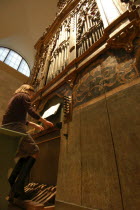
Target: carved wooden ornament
{"points": [[124, 38]]}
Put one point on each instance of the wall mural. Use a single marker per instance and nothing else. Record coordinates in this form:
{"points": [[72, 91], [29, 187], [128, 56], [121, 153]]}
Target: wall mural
{"points": [[111, 70]]}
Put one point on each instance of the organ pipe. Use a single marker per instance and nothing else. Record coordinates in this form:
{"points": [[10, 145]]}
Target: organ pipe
{"points": [[76, 34]]}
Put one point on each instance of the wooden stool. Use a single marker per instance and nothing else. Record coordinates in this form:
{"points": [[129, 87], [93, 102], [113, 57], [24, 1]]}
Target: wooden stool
{"points": [[8, 145]]}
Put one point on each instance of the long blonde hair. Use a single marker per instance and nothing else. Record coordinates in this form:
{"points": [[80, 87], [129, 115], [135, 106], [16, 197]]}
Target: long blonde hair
{"points": [[24, 89]]}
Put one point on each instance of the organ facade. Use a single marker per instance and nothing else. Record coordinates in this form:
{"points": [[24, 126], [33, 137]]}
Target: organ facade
{"points": [[88, 60]]}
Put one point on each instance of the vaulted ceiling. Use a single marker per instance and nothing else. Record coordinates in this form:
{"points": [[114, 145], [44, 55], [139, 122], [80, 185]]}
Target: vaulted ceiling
{"points": [[23, 23]]}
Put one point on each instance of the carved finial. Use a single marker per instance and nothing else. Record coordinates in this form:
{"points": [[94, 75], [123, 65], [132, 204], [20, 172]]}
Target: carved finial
{"points": [[62, 3]]}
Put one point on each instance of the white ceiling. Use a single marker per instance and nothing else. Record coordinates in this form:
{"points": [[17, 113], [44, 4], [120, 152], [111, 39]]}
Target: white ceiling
{"points": [[23, 23]]}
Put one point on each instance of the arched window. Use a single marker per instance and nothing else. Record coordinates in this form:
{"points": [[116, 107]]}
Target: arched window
{"points": [[14, 60]]}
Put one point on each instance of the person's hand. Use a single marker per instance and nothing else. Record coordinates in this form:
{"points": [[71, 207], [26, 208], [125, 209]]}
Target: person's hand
{"points": [[46, 123], [36, 126], [39, 127]]}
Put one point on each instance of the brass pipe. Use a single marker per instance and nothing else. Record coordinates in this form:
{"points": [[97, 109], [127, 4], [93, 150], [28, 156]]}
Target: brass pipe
{"points": [[87, 42], [63, 57], [88, 22], [86, 26], [82, 47], [49, 74], [78, 51], [53, 62], [90, 39], [65, 54], [85, 47], [60, 60], [58, 64]]}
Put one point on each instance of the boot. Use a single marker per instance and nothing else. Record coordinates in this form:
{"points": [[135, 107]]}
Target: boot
{"points": [[14, 175], [16, 171], [18, 187]]}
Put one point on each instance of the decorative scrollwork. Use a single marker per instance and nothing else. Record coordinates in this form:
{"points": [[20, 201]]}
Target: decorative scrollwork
{"points": [[39, 65], [61, 4], [124, 38], [131, 4]]}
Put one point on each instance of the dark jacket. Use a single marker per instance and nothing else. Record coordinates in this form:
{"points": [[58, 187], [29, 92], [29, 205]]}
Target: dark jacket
{"points": [[18, 107]]}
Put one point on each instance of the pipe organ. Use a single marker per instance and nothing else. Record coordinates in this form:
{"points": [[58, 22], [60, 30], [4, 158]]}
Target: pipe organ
{"points": [[88, 60], [59, 52], [89, 26], [81, 28], [79, 25]]}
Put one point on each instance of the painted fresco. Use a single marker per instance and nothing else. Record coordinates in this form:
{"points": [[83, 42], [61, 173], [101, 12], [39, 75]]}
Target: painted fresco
{"points": [[111, 70]]}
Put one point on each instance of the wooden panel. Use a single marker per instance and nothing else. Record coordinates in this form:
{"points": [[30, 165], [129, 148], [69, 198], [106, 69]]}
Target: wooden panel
{"points": [[46, 167], [100, 186], [69, 176], [68, 206], [124, 111]]}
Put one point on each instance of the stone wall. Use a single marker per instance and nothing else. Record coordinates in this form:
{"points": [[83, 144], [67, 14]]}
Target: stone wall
{"points": [[10, 80]]}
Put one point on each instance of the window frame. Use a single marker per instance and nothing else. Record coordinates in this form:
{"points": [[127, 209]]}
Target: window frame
{"points": [[18, 67]]}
